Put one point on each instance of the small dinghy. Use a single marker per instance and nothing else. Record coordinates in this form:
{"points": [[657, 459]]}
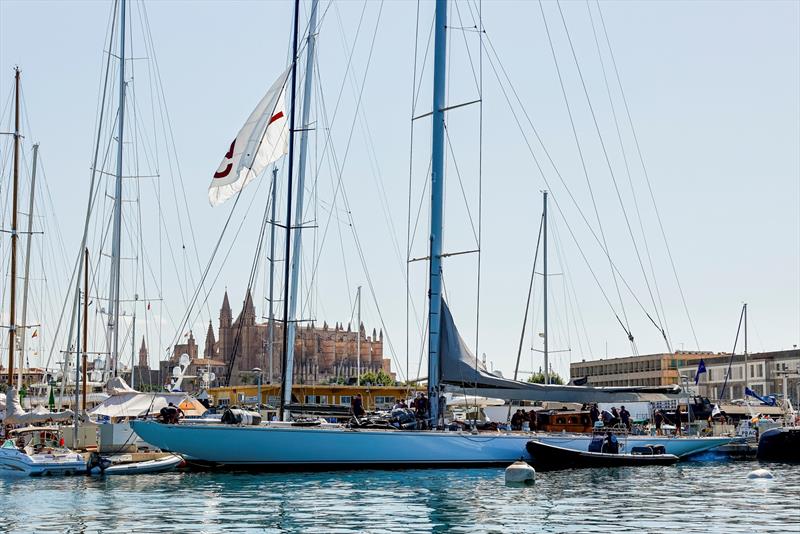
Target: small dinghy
{"points": [[159, 465], [546, 456]]}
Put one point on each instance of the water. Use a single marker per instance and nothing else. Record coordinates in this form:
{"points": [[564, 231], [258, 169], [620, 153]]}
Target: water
{"points": [[709, 496]]}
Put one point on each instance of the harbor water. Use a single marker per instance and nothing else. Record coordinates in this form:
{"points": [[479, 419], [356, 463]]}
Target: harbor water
{"points": [[700, 496]]}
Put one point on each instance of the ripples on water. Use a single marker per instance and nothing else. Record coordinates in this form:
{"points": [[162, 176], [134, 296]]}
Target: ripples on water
{"points": [[690, 497]]}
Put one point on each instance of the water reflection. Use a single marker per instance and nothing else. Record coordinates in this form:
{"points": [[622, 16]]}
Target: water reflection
{"points": [[692, 497]]}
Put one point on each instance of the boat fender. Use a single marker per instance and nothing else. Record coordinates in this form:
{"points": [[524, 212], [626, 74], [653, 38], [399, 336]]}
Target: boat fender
{"points": [[760, 473], [520, 473]]}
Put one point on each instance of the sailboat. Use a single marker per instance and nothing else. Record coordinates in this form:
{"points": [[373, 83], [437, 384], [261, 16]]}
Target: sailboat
{"points": [[450, 364]]}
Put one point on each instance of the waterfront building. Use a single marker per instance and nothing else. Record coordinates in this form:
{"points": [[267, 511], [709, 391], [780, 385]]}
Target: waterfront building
{"points": [[765, 373], [647, 370], [322, 355], [310, 395]]}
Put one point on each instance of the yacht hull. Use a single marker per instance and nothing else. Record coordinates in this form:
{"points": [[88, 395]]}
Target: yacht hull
{"points": [[282, 446]]}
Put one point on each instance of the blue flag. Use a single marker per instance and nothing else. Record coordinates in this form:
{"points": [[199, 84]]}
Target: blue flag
{"points": [[768, 400], [701, 368]]}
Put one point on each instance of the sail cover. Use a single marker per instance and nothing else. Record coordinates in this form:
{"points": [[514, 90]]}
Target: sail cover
{"points": [[16, 415], [461, 370]]}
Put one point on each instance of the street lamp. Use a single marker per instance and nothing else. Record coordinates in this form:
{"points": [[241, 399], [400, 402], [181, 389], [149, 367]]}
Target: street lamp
{"points": [[257, 370]]}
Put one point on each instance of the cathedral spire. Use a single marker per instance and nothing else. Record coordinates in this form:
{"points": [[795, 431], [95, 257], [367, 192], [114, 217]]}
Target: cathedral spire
{"points": [[225, 315], [208, 351]]}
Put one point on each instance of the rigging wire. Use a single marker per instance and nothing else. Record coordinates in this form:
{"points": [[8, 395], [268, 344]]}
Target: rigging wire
{"points": [[662, 318], [584, 168], [647, 176]]}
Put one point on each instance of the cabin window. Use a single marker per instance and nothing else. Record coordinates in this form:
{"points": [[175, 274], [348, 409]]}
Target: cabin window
{"points": [[561, 421]]}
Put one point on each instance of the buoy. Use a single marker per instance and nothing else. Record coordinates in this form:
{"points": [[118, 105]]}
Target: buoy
{"points": [[760, 473], [520, 473]]}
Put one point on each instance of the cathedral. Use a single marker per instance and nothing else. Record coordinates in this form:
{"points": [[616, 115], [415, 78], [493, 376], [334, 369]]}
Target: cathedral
{"points": [[321, 355]]}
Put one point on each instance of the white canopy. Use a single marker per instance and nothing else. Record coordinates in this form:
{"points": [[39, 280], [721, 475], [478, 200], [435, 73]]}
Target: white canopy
{"points": [[131, 403], [16, 415]]}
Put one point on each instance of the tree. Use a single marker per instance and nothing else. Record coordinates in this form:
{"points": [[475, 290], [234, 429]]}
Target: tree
{"points": [[538, 378], [381, 378]]}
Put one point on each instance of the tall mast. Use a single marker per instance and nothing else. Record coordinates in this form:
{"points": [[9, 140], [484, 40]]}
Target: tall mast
{"points": [[437, 205], [746, 367], [298, 215], [286, 384], [12, 323], [358, 341], [544, 274], [113, 294], [85, 320], [24, 318], [272, 276]]}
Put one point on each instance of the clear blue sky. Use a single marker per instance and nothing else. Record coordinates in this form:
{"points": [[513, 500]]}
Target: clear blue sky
{"points": [[714, 92]]}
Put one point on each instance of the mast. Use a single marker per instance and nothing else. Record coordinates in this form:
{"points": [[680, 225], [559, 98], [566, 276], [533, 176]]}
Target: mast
{"points": [[544, 273], [24, 318], [77, 374], [437, 207], [272, 276], [12, 323], [358, 341], [113, 294], [286, 384], [85, 320], [746, 367]]}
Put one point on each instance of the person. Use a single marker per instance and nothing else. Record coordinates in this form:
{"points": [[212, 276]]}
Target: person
{"points": [[614, 416], [594, 414], [422, 406], [398, 404], [533, 420], [607, 417], [678, 420], [357, 406], [625, 417], [516, 420], [659, 419]]}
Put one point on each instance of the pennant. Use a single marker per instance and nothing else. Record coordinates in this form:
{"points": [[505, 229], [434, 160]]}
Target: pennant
{"points": [[35, 333]]}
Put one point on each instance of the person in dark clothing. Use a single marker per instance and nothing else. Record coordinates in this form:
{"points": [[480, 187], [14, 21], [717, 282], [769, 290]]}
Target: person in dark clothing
{"points": [[678, 420], [659, 419], [516, 420], [422, 406], [614, 416], [625, 417], [357, 406], [594, 414], [532, 419]]}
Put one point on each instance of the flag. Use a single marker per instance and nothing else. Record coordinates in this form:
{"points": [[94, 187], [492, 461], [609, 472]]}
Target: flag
{"points": [[148, 305], [701, 368], [715, 410], [35, 333], [263, 139]]}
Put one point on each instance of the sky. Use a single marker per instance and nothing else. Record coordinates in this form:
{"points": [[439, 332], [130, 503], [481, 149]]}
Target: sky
{"points": [[713, 90]]}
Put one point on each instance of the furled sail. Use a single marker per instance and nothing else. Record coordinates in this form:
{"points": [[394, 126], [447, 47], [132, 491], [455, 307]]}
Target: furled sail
{"points": [[460, 370], [16, 415]]}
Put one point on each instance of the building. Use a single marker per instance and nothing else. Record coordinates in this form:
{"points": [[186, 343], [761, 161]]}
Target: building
{"points": [[765, 374], [647, 370], [374, 397], [321, 355]]}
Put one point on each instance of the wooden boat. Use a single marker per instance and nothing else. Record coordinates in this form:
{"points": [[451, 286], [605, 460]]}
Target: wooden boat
{"points": [[546, 456]]}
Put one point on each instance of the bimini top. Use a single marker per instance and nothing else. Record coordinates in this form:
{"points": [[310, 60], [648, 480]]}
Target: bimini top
{"points": [[460, 369]]}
